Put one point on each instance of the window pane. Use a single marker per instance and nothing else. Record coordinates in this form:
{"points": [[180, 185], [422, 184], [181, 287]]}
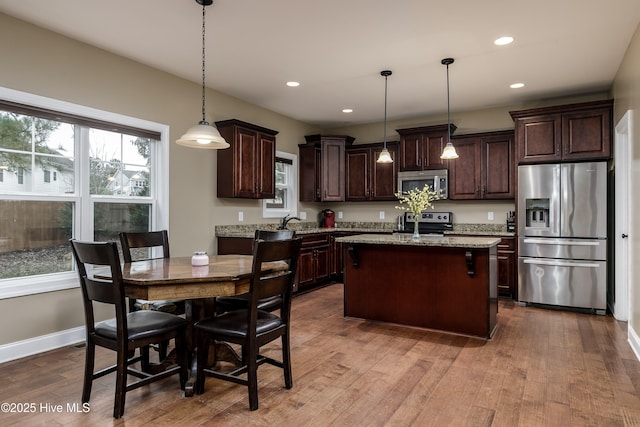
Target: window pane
{"points": [[281, 173], [34, 237], [120, 164], [40, 163], [279, 202], [111, 218], [29, 146]]}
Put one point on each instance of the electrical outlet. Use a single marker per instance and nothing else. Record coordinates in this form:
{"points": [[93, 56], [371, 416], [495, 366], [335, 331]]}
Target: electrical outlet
{"points": [[339, 214], [381, 214], [240, 216], [490, 216], [303, 215]]}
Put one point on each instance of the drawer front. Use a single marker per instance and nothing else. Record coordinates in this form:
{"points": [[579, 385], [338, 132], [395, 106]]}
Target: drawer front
{"points": [[310, 240], [507, 245]]}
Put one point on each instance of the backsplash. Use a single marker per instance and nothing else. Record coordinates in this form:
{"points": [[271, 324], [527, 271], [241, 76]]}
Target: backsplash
{"points": [[247, 230]]}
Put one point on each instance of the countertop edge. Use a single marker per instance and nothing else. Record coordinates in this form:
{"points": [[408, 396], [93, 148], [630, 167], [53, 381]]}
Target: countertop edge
{"points": [[244, 233], [407, 240]]}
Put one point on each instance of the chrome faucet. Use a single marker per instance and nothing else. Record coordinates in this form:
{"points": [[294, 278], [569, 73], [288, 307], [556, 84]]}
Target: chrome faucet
{"points": [[285, 221]]}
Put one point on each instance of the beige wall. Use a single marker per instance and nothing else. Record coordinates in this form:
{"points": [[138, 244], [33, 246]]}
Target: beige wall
{"points": [[43, 63], [46, 64], [626, 90]]}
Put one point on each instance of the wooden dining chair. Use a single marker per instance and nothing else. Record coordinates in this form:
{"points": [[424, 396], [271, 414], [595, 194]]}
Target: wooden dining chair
{"points": [[230, 303], [125, 332], [139, 246], [250, 327]]}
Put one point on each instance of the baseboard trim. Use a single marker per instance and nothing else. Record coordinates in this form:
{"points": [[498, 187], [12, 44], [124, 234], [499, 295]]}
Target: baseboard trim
{"points": [[634, 342], [20, 349]]}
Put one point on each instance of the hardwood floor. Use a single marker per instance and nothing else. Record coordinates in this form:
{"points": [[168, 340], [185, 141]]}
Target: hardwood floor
{"points": [[543, 367]]}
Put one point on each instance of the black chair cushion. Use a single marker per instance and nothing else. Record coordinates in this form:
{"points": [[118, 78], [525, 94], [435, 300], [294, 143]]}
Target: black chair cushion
{"points": [[142, 324], [234, 324], [242, 301]]}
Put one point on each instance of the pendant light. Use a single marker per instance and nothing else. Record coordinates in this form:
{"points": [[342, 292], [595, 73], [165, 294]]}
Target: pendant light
{"points": [[203, 135], [385, 156], [449, 152]]}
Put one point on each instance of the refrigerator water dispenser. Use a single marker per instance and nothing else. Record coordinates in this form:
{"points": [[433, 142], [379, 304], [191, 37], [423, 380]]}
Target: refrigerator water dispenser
{"points": [[537, 213]]}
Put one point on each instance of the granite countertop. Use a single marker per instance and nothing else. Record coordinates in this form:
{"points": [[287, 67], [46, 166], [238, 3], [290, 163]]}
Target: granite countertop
{"points": [[407, 240], [301, 228]]}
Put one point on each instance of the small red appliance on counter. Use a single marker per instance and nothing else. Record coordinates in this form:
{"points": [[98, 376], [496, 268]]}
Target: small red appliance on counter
{"points": [[327, 218]]}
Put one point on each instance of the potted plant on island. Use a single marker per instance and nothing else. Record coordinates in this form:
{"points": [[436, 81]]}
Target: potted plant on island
{"points": [[416, 201]]}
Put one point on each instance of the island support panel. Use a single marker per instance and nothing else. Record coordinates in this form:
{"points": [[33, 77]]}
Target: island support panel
{"points": [[448, 289]]}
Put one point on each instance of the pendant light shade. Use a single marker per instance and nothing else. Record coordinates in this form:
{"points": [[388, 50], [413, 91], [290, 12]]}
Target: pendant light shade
{"points": [[449, 152], [203, 135], [385, 156]]}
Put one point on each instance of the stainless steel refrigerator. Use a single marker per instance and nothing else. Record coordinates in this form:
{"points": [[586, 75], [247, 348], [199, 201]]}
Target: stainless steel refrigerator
{"points": [[562, 235]]}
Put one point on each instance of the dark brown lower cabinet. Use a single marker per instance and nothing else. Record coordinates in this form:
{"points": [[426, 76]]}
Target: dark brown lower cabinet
{"points": [[321, 257], [314, 263]]}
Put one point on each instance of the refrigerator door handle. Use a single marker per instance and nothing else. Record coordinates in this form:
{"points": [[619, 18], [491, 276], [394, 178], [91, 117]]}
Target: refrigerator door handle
{"points": [[561, 263], [560, 242]]}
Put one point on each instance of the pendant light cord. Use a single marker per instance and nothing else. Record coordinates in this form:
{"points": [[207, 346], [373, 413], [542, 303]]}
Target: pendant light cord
{"points": [[448, 110], [203, 64], [385, 111]]}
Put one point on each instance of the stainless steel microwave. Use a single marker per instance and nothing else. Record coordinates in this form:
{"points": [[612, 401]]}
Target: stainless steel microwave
{"points": [[438, 179]]}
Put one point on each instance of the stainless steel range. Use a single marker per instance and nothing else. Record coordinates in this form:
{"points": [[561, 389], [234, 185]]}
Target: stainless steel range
{"points": [[429, 223]]}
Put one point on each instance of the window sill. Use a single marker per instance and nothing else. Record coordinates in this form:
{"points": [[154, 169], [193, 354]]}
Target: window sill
{"points": [[23, 286]]}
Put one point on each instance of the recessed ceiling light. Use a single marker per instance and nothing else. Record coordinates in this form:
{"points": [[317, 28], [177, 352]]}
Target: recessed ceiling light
{"points": [[347, 110], [503, 40], [516, 85], [293, 84]]}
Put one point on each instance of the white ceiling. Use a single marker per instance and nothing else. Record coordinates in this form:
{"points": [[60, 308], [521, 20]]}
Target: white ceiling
{"points": [[337, 48]]}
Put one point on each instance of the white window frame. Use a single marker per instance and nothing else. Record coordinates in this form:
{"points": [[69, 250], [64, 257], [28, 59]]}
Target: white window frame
{"points": [[29, 285], [292, 195]]}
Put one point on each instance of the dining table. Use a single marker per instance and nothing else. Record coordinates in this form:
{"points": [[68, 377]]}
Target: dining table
{"points": [[176, 278]]}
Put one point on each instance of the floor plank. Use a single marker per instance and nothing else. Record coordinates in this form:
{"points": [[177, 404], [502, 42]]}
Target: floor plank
{"points": [[542, 367]]}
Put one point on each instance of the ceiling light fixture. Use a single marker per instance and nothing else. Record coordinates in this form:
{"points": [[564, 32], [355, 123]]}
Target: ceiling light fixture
{"points": [[385, 156], [449, 151], [293, 84], [516, 85], [503, 40], [347, 110], [203, 135]]}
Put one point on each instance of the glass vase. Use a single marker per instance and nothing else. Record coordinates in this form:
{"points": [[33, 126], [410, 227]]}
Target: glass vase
{"points": [[416, 232]]}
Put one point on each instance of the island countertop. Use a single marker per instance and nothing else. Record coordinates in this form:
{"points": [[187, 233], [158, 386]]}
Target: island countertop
{"points": [[403, 239]]}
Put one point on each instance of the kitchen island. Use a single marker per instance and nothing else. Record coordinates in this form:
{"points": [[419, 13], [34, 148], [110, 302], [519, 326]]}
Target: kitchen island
{"points": [[442, 283]]}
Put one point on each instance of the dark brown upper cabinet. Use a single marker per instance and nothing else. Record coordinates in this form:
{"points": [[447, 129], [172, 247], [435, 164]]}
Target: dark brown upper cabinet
{"points": [[485, 168], [322, 168], [368, 180], [247, 168], [564, 133], [421, 147]]}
